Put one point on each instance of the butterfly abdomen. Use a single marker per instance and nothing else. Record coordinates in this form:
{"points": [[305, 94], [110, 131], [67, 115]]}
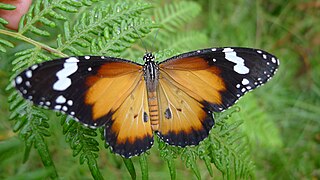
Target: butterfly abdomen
{"points": [[153, 110]]}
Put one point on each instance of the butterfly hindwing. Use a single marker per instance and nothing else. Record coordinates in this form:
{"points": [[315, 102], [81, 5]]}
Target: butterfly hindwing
{"points": [[205, 81], [184, 121], [129, 132]]}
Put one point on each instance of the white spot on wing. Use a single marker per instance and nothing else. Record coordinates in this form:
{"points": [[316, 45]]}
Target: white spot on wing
{"points": [[28, 83], [231, 55], [64, 108], [57, 107], [34, 67], [69, 67], [19, 80], [29, 74], [264, 56], [60, 99], [70, 102], [87, 57], [72, 60], [245, 81], [62, 84]]}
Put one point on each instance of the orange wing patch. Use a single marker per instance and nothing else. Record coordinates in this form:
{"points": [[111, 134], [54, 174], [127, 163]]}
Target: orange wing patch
{"points": [[129, 132], [183, 120], [110, 86], [195, 77]]}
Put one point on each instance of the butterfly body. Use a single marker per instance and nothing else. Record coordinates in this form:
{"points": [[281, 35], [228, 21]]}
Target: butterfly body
{"points": [[175, 98], [151, 77]]}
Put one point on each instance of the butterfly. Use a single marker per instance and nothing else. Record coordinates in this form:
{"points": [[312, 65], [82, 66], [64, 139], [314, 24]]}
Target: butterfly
{"points": [[174, 99]]}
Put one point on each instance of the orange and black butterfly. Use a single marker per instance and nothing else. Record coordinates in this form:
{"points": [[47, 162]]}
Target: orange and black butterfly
{"points": [[174, 99]]}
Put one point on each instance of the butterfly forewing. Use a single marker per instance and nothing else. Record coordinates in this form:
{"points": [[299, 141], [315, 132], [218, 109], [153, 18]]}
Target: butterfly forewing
{"points": [[218, 77]]}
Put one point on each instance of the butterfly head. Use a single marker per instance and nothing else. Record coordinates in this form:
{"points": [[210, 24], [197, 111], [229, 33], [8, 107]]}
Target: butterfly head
{"points": [[148, 57]]}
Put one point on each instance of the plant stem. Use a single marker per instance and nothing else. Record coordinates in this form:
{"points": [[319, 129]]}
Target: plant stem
{"points": [[31, 41]]}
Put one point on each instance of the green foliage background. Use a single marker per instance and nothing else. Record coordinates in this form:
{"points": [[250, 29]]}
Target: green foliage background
{"points": [[272, 133]]}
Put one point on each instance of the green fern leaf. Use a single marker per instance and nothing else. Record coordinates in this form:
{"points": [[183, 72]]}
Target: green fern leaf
{"points": [[257, 125], [43, 11], [120, 40], [7, 6], [30, 122], [172, 168], [3, 21], [144, 166], [182, 41], [176, 14], [228, 151], [82, 142], [130, 168], [6, 43], [92, 24]]}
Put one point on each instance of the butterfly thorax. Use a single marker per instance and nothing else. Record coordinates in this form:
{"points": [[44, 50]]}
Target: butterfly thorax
{"points": [[151, 77]]}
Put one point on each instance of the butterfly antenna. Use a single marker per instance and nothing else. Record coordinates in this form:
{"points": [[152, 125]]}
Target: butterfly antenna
{"points": [[144, 46], [155, 37]]}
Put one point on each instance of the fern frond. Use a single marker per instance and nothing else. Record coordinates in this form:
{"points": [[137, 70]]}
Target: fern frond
{"points": [[82, 142], [120, 38], [169, 154], [130, 167], [174, 15], [44, 12], [144, 167], [100, 21], [228, 151], [258, 125], [185, 41], [6, 43], [6, 7], [30, 121], [189, 155]]}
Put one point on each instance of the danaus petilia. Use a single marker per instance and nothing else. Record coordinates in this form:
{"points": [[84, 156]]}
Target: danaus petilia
{"points": [[174, 99]]}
